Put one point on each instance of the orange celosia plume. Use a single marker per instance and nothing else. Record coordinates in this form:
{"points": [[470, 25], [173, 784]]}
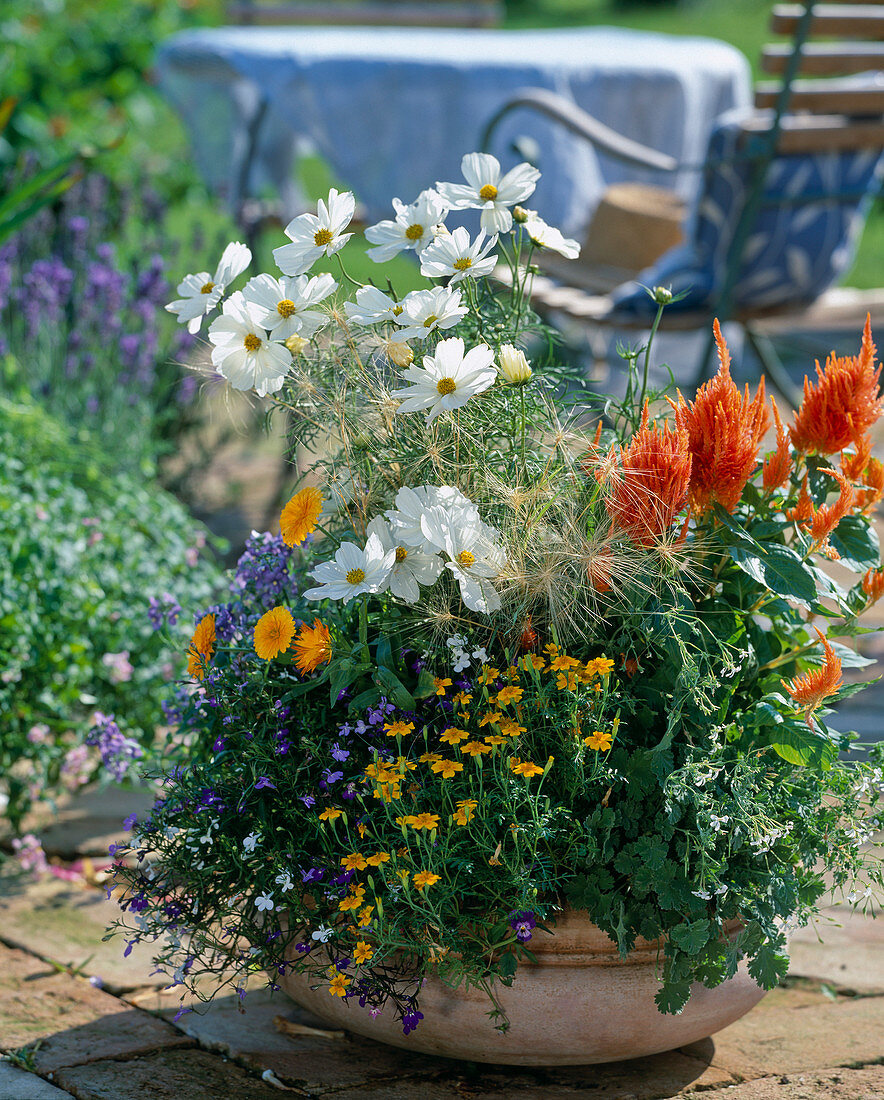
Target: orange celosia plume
{"points": [[842, 404], [777, 466], [809, 690], [724, 430], [862, 469], [873, 585], [649, 483], [827, 517]]}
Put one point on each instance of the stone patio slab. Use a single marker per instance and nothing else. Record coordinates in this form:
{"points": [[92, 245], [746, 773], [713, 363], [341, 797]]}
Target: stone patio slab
{"points": [[847, 952], [18, 1084], [848, 1084]]}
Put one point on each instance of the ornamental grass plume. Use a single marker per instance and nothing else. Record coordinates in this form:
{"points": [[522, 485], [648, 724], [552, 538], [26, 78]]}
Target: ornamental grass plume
{"points": [[274, 632], [202, 646], [312, 647], [842, 404], [649, 483], [300, 516], [817, 684], [724, 431]]}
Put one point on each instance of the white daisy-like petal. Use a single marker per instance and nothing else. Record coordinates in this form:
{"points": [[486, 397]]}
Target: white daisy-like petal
{"points": [[447, 379], [200, 293], [354, 570], [282, 305], [488, 191], [548, 237], [424, 311], [235, 258], [242, 352], [452, 256], [372, 307], [315, 235], [474, 556], [411, 567], [412, 503], [414, 226]]}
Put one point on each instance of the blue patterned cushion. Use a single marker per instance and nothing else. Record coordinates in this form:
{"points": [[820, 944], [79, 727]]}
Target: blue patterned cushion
{"points": [[794, 252]]}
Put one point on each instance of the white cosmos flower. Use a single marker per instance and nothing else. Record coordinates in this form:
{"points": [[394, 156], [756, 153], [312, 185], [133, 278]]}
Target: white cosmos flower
{"points": [[414, 226], [283, 306], [200, 293], [453, 255], [488, 191], [353, 571], [474, 555], [242, 352], [411, 503], [315, 235], [424, 311], [411, 567], [447, 379], [371, 307], [548, 237]]}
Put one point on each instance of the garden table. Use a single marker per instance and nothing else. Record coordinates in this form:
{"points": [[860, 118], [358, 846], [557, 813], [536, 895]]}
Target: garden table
{"points": [[393, 109]]}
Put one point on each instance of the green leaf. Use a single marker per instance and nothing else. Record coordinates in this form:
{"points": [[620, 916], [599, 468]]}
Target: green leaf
{"points": [[393, 687], [426, 685], [849, 657], [769, 966], [780, 570], [672, 997], [856, 541], [690, 937], [800, 745]]}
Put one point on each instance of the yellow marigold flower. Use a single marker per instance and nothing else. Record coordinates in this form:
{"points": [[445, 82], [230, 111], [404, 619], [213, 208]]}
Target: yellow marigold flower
{"points": [[405, 765], [354, 862], [489, 717], [365, 916], [362, 952], [429, 758], [599, 741], [511, 728], [532, 660], [495, 739], [360, 828], [300, 515], [509, 695], [330, 814], [559, 664], [453, 736], [464, 698], [440, 684], [312, 647], [525, 768], [566, 681], [351, 901], [476, 748], [466, 811], [447, 768], [512, 674], [425, 878], [398, 728], [488, 674], [604, 666], [274, 632], [202, 646], [403, 874], [377, 859], [338, 985], [552, 649], [426, 821], [409, 820]]}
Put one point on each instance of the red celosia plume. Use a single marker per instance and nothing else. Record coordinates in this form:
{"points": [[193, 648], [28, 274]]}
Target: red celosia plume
{"points": [[809, 690], [724, 429], [649, 482], [842, 404]]}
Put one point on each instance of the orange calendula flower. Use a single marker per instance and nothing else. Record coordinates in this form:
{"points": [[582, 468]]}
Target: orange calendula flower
{"points": [[842, 404], [202, 646], [873, 584], [724, 430], [809, 690], [362, 952], [649, 485], [599, 741], [476, 748], [338, 985], [447, 768], [453, 736], [312, 647], [300, 515], [466, 811], [398, 728], [274, 632], [423, 879], [777, 466]]}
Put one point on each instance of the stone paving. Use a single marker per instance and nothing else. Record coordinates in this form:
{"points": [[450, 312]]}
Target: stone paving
{"points": [[820, 1035]]}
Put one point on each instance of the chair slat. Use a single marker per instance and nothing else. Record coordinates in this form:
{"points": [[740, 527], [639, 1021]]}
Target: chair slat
{"points": [[832, 21], [826, 60], [826, 96], [821, 133], [433, 13]]}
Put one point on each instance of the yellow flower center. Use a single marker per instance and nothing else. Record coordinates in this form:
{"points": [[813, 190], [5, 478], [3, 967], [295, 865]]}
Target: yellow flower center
{"points": [[286, 307], [466, 558], [252, 342], [414, 232], [446, 386], [401, 553], [207, 288], [463, 263], [430, 321], [396, 310], [355, 576], [488, 192], [322, 237]]}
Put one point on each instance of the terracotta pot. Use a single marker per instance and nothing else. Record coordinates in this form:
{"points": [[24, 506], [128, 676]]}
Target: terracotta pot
{"points": [[581, 1003]]}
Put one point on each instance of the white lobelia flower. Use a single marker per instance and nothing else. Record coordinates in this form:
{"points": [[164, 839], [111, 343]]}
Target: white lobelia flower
{"points": [[200, 293], [250, 841], [413, 227], [411, 567], [447, 379], [548, 237], [424, 311], [411, 503], [353, 571], [453, 255], [488, 191], [474, 556], [284, 881], [283, 306], [315, 235], [372, 307], [242, 352], [322, 934], [264, 902]]}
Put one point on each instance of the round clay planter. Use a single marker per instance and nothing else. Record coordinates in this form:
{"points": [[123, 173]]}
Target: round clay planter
{"points": [[580, 1003]]}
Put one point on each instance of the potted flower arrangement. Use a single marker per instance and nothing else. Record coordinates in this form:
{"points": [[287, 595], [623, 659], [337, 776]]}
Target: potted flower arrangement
{"points": [[513, 745]]}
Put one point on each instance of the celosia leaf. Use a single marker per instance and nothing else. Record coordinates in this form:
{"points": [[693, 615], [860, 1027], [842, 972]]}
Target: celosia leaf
{"points": [[856, 541], [780, 569], [799, 744], [849, 657]]}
